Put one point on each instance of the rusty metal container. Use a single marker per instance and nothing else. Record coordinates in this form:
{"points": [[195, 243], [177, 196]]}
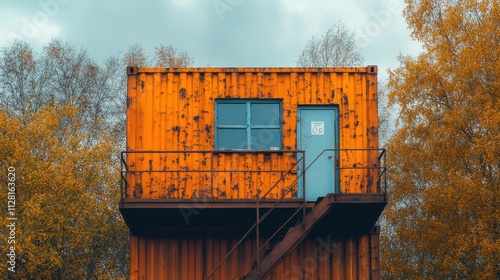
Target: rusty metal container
{"points": [[318, 257], [172, 145], [247, 173]]}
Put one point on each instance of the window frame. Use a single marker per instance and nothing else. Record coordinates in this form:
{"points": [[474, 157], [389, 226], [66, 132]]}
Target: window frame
{"points": [[249, 126]]}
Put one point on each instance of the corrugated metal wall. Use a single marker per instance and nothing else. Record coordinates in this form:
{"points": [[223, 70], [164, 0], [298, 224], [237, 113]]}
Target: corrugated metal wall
{"points": [[173, 109], [316, 258], [191, 175]]}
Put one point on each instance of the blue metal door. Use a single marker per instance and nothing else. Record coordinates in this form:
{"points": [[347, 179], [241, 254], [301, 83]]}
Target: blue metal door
{"points": [[316, 131]]}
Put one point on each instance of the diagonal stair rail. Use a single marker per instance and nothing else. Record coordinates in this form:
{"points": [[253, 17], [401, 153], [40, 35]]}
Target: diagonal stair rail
{"points": [[301, 176], [301, 208], [292, 239], [298, 233], [261, 218]]}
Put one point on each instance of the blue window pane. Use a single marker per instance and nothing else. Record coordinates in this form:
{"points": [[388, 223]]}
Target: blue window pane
{"points": [[230, 138], [266, 139], [231, 114], [266, 114], [234, 130]]}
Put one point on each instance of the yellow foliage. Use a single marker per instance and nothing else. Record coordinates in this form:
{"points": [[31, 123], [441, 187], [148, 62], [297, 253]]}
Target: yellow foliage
{"points": [[68, 226], [444, 216]]}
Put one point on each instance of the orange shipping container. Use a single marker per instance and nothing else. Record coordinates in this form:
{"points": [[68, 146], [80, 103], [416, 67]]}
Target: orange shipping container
{"points": [[260, 173], [194, 258], [239, 133]]}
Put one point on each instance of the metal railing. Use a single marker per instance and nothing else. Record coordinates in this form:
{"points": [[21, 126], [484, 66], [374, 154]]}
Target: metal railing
{"points": [[378, 163], [345, 160], [370, 162], [260, 219], [205, 166]]}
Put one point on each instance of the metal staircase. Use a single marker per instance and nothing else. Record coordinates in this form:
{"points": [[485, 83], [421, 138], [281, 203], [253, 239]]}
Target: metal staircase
{"points": [[292, 239], [309, 218]]}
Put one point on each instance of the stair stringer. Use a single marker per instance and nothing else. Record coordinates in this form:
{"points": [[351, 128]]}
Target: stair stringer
{"points": [[292, 239]]}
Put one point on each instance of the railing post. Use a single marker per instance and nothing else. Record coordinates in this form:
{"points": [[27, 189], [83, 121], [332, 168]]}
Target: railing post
{"points": [[385, 173], [212, 174], [303, 185], [122, 176], [336, 171], [121, 185], [258, 230]]}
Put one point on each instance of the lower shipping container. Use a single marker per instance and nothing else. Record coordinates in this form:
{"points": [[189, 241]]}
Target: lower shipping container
{"points": [[323, 256]]}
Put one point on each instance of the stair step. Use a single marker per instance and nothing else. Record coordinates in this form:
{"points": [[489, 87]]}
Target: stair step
{"points": [[268, 250], [280, 237], [293, 237], [320, 198]]}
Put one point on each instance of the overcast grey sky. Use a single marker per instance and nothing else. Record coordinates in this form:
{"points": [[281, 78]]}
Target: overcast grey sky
{"points": [[232, 33]]}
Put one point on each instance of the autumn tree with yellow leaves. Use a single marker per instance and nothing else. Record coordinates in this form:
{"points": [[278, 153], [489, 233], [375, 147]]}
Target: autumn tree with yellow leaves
{"points": [[66, 198], [443, 220], [60, 128]]}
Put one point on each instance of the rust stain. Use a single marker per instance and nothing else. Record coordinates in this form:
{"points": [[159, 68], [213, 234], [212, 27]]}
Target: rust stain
{"points": [[167, 118], [171, 189], [138, 190], [345, 101], [182, 93]]}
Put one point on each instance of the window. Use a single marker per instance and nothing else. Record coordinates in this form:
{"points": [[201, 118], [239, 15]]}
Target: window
{"points": [[243, 124]]}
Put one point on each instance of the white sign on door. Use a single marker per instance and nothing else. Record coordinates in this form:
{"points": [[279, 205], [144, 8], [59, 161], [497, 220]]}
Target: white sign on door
{"points": [[317, 128]]}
